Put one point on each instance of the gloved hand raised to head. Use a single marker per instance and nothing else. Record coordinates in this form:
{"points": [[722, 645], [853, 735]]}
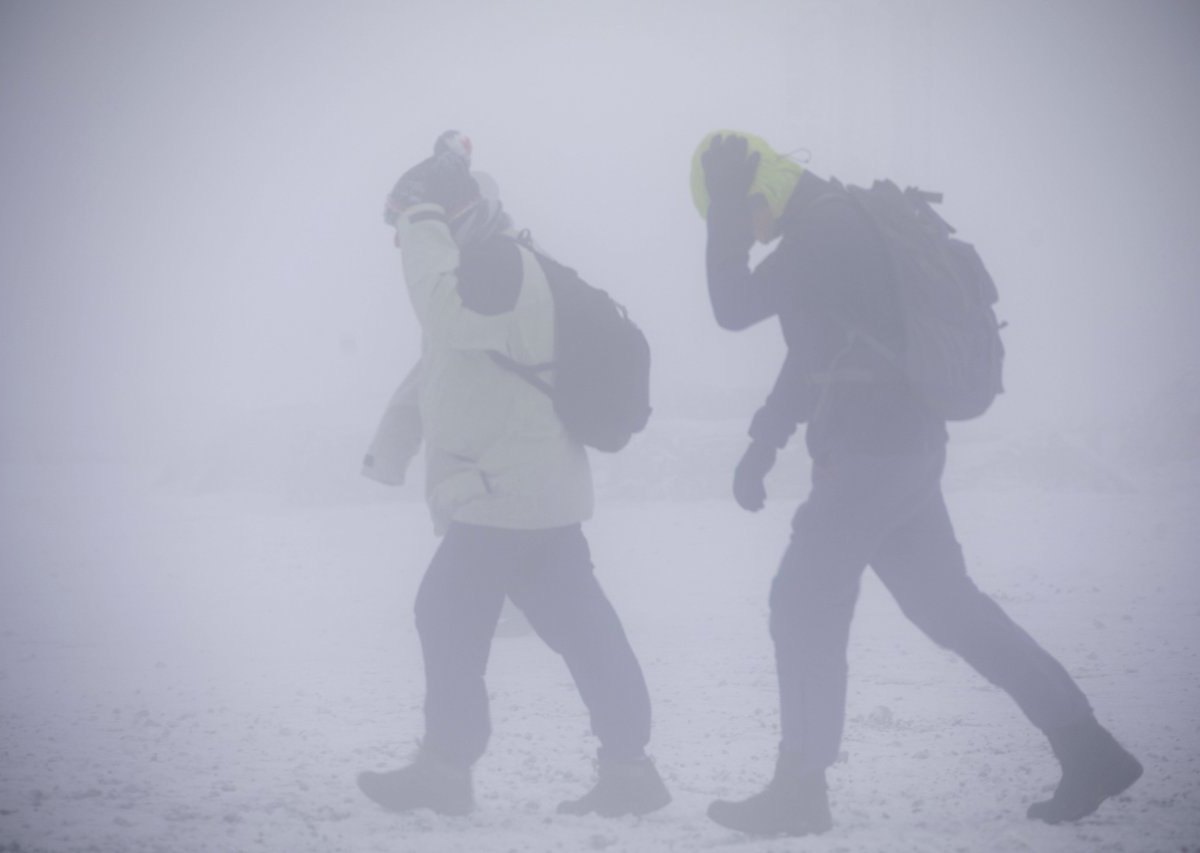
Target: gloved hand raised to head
{"points": [[443, 179], [748, 487], [729, 169]]}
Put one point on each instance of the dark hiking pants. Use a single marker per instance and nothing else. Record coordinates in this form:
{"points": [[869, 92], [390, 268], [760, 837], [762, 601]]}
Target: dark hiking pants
{"points": [[888, 512], [548, 575]]}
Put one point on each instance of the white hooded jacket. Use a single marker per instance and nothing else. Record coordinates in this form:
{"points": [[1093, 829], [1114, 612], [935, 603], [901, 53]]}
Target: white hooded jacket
{"points": [[496, 453]]}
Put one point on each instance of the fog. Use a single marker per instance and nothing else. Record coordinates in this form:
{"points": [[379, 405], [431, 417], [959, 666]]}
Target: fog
{"points": [[192, 194], [196, 285]]}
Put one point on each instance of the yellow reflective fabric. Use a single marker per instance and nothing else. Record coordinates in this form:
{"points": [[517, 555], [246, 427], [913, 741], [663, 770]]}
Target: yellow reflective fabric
{"points": [[774, 181]]}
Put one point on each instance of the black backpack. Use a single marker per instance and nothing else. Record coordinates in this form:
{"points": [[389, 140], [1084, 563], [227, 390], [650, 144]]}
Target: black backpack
{"points": [[601, 389], [953, 356]]}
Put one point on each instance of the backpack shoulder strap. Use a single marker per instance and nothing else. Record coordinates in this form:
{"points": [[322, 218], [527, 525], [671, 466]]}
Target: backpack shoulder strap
{"points": [[549, 264], [531, 373]]}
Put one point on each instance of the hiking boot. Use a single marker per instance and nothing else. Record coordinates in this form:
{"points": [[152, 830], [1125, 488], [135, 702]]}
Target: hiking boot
{"points": [[429, 782], [1094, 768], [796, 802], [622, 788]]}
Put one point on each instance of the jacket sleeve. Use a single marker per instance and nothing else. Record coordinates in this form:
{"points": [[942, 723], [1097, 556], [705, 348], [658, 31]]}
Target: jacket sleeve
{"points": [[398, 436], [453, 313], [790, 403], [740, 297]]}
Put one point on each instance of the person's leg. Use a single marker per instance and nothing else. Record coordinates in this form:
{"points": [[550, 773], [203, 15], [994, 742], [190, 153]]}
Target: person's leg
{"points": [[812, 603], [456, 610], [457, 607], [559, 594], [557, 590], [922, 565], [854, 503]]}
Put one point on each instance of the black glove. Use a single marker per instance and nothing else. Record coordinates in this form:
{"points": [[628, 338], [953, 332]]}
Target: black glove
{"points": [[443, 179], [748, 488], [728, 169]]}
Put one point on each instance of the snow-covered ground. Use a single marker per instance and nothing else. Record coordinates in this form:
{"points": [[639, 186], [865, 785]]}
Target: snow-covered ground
{"points": [[193, 662]]}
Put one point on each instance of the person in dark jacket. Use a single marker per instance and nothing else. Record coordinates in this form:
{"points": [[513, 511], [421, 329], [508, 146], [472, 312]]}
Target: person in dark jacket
{"points": [[876, 497]]}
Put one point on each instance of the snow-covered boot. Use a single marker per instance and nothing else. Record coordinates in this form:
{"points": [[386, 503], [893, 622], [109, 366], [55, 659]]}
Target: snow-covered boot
{"points": [[1094, 768], [622, 788], [796, 802], [429, 782]]}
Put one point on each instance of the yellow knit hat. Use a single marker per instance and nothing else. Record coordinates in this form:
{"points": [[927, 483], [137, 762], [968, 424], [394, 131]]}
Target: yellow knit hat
{"points": [[775, 179]]}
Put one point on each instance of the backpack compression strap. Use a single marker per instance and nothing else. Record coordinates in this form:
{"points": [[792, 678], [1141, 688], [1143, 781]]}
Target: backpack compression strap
{"points": [[528, 372]]}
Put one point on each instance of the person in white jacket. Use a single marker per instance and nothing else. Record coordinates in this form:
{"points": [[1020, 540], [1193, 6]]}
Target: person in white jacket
{"points": [[508, 489]]}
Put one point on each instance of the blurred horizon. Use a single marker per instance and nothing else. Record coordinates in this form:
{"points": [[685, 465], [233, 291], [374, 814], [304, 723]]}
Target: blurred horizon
{"points": [[191, 230]]}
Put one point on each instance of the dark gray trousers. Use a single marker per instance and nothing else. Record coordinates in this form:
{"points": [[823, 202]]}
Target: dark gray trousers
{"points": [[888, 512], [548, 575]]}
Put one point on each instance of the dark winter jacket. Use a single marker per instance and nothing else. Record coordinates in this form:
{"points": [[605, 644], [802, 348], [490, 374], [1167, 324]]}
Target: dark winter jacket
{"points": [[828, 275]]}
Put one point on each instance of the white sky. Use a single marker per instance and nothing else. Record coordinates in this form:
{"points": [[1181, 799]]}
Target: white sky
{"points": [[190, 223]]}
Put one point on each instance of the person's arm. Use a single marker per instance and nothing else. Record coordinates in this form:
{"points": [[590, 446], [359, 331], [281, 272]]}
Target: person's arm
{"points": [[802, 277], [398, 436], [737, 295], [462, 300], [739, 298], [789, 404], [430, 259], [441, 280]]}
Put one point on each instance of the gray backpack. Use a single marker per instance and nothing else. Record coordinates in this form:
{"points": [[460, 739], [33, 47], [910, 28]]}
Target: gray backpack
{"points": [[953, 356], [601, 388]]}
